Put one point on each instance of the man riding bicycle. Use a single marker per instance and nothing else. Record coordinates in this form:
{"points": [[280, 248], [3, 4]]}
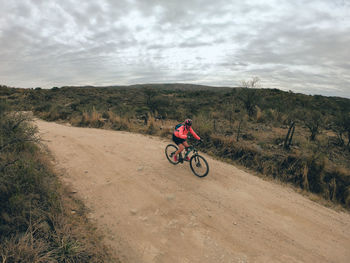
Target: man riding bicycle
{"points": [[180, 136]]}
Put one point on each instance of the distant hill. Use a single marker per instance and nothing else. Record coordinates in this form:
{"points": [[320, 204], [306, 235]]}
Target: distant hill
{"points": [[166, 86]]}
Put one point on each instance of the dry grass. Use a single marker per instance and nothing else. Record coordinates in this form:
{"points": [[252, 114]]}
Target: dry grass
{"points": [[24, 249], [76, 120], [92, 119], [260, 145], [61, 234], [36, 220], [259, 116]]}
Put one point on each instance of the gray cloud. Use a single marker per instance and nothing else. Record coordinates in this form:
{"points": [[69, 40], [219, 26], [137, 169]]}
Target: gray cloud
{"points": [[291, 45]]}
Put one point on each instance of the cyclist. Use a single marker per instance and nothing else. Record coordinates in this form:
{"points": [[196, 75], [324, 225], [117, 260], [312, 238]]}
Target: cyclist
{"points": [[180, 136]]}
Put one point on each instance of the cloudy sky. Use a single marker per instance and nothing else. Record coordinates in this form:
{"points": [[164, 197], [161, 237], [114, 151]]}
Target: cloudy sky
{"points": [[299, 45]]}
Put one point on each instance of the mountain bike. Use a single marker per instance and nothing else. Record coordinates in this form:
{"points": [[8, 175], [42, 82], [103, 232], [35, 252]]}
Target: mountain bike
{"points": [[198, 164]]}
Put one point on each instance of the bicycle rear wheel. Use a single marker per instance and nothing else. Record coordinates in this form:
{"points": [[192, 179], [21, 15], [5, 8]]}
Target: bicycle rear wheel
{"points": [[199, 166], [170, 150]]}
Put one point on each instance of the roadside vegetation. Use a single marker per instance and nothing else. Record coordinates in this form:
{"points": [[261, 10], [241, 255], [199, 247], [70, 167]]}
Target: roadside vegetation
{"points": [[299, 139], [40, 220]]}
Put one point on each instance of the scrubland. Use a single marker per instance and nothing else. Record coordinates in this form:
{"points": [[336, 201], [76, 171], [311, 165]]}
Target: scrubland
{"points": [[40, 220], [295, 138]]}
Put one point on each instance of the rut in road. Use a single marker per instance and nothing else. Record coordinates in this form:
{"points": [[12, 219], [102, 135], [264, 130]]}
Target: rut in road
{"points": [[152, 211]]}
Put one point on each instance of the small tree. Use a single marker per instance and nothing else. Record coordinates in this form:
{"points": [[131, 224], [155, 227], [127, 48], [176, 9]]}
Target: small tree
{"points": [[313, 123], [248, 96], [149, 95], [342, 127]]}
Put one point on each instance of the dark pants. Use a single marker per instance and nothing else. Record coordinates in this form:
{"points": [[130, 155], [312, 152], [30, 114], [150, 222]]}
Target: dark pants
{"points": [[178, 140]]}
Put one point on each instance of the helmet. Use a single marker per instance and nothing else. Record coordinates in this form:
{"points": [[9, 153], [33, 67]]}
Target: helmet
{"points": [[188, 122]]}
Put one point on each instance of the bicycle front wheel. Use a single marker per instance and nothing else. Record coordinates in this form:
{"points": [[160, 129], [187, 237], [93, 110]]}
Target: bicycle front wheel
{"points": [[170, 150], [199, 166]]}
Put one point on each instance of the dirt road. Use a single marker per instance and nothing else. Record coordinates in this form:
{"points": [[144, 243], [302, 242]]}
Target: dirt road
{"points": [[152, 211]]}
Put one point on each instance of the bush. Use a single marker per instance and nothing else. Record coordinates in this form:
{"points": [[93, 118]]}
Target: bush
{"points": [[151, 129], [35, 223]]}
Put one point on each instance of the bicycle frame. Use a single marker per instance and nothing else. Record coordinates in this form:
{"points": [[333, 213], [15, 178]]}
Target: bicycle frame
{"points": [[191, 149]]}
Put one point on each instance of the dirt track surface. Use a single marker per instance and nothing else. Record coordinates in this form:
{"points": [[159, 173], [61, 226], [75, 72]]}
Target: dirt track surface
{"points": [[153, 211]]}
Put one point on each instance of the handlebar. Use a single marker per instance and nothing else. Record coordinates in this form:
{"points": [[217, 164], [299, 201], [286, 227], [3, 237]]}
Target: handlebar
{"points": [[194, 145], [190, 137]]}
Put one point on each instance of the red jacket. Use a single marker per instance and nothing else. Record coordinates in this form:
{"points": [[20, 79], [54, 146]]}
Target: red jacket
{"points": [[182, 132]]}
